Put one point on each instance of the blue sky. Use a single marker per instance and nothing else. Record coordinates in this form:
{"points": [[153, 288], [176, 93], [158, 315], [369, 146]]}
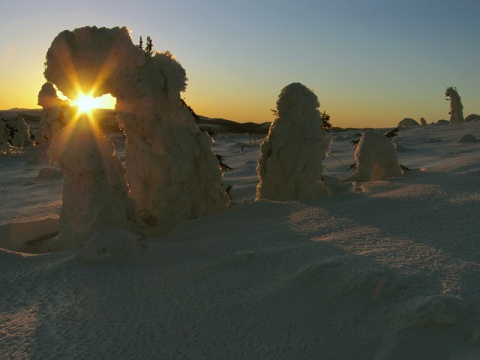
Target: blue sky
{"points": [[371, 62]]}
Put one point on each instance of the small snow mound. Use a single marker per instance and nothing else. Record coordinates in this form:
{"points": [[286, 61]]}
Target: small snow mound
{"points": [[439, 310], [472, 117], [468, 138], [108, 245], [27, 236], [408, 122], [438, 327], [376, 158], [312, 271], [49, 173]]}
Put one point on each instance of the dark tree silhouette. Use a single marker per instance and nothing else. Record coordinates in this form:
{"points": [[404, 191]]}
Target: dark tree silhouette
{"points": [[149, 46], [325, 121]]}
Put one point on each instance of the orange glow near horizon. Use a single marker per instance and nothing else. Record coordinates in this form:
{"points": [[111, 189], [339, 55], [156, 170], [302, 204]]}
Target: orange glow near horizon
{"points": [[86, 103]]}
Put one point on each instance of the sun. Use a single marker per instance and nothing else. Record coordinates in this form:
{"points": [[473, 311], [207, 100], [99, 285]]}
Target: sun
{"points": [[85, 103]]}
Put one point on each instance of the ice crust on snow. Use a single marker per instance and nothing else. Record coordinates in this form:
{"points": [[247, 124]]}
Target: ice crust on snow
{"points": [[290, 161], [171, 170], [376, 158]]}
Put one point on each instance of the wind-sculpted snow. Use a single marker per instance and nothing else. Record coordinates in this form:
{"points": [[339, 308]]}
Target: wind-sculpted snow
{"points": [[290, 161], [170, 169], [389, 270], [110, 245]]}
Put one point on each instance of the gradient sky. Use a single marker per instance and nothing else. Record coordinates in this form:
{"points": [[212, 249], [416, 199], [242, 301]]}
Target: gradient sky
{"points": [[370, 62]]}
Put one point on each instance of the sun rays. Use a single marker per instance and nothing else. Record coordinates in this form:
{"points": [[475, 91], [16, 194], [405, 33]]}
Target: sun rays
{"points": [[85, 103]]}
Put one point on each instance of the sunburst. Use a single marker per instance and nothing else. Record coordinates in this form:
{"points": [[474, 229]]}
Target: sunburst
{"points": [[85, 103]]}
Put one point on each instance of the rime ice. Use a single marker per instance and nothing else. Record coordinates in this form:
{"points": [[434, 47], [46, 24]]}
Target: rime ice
{"points": [[55, 112], [290, 162], [170, 168], [456, 107], [376, 158], [94, 191], [22, 136]]}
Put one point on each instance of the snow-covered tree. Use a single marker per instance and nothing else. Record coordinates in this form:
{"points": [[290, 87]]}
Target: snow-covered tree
{"points": [[290, 162], [456, 107], [170, 167], [376, 158], [94, 191], [22, 136], [4, 137], [56, 112]]}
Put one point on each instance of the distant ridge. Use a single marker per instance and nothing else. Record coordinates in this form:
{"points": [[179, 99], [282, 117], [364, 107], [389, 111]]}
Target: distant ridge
{"points": [[107, 119], [219, 124]]}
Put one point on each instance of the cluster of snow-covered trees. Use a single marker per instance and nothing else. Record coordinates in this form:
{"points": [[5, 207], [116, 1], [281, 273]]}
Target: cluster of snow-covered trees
{"points": [[15, 133], [170, 173]]}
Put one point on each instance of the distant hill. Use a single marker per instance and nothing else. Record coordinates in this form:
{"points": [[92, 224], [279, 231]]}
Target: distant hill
{"points": [[107, 120], [223, 125]]}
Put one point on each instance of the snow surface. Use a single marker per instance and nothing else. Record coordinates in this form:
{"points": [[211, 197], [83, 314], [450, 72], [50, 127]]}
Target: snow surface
{"points": [[388, 269]]}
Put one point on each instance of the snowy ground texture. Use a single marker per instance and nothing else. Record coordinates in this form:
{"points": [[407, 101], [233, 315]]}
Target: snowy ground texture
{"points": [[384, 270]]}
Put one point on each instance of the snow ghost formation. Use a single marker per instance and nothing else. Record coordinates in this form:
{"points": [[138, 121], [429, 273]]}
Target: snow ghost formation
{"points": [[171, 170], [376, 158], [94, 191], [55, 112], [456, 107], [290, 162], [22, 136]]}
